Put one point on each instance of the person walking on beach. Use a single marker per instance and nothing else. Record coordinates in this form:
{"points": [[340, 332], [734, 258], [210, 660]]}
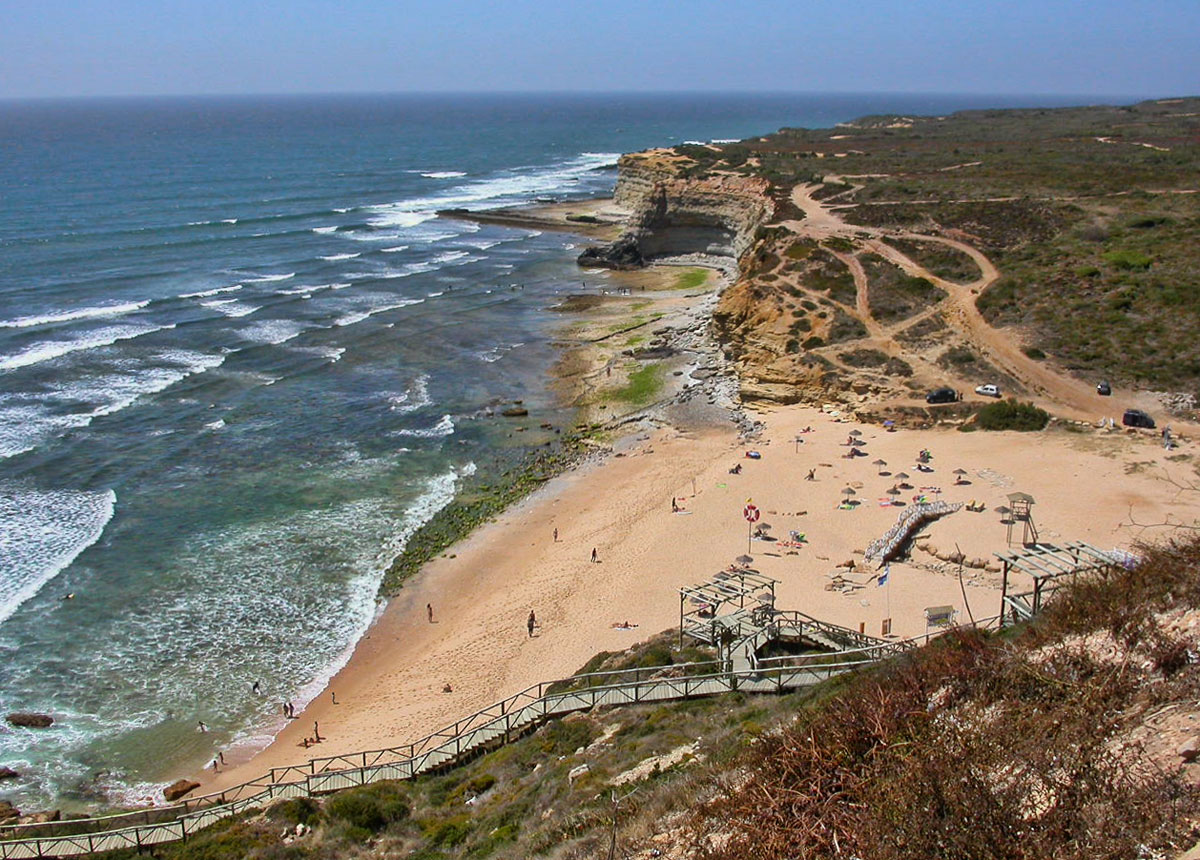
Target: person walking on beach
{"points": [[674, 506], [595, 558], [256, 689], [429, 611], [316, 732], [556, 535], [221, 756], [811, 476], [531, 623], [200, 725], [333, 696]]}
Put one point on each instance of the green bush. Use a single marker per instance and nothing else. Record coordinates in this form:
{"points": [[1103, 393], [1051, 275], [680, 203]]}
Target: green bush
{"points": [[298, 810], [372, 807], [1011, 415], [813, 342], [1127, 260], [1034, 353]]}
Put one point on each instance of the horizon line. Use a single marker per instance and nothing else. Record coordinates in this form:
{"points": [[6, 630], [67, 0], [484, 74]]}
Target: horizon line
{"points": [[4, 99]]}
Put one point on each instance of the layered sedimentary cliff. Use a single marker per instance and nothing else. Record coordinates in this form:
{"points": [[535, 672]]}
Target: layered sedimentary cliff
{"points": [[674, 214]]}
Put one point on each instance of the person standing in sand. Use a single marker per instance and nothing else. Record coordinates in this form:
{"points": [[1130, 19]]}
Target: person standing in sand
{"points": [[595, 558], [429, 611], [531, 623], [316, 732]]}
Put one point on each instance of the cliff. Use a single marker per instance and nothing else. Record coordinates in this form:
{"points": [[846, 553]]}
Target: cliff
{"points": [[674, 213]]}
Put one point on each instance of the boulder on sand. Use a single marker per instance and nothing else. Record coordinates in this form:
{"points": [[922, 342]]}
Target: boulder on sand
{"points": [[30, 721], [40, 817], [8, 812], [621, 254], [178, 789]]}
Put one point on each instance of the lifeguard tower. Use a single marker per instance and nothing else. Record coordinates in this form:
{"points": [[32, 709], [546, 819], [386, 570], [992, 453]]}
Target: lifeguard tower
{"points": [[1021, 511]]}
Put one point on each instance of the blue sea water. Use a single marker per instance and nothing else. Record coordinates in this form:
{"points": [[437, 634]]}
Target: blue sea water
{"points": [[241, 361]]}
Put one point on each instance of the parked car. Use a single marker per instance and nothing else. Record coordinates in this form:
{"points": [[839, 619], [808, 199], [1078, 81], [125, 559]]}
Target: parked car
{"points": [[941, 395], [1137, 418], [988, 390], [1103, 388]]}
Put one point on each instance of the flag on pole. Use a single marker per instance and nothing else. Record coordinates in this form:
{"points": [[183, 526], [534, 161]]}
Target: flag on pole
{"points": [[883, 577]]}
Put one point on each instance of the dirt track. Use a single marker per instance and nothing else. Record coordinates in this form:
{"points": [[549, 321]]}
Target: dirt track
{"points": [[1066, 396]]}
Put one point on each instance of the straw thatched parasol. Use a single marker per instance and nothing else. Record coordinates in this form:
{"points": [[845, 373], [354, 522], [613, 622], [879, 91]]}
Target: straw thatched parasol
{"points": [[880, 464], [855, 432]]}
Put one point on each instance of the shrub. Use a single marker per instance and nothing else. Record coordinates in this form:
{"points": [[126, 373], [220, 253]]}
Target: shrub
{"points": [[371, 807], [813, 342], [1011, 415], [1034, 353], [1127, 260]]}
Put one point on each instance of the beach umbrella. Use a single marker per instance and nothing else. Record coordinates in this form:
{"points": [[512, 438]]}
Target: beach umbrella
{"points": [[743, 559], [889, 423], [903, 476], [959, 473], [848, 492], [880, 464], [856, 432], [893, 491]]}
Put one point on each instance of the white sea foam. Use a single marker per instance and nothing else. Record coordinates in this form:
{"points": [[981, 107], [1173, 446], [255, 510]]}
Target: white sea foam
{"points": [[497, 353], [72, 316], [413, 399], [508, 188], [267, 279], [215, 425], [435, 295], [394, 250], [41, 533], [334, 257], [444, 427], [272, 331], [444, 174], [204, 294], [332, 229], [359, 316], [309, 289], [231, 307], [39, 352], [344, 210]]}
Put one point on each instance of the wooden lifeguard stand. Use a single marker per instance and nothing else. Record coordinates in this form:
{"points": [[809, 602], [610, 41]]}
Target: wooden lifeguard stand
{"points": [[1021, 507]]}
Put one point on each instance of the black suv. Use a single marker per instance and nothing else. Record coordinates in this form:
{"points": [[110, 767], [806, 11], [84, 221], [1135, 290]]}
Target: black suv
{"points": [[1103, 388], [1137, 418], [941, 395]]}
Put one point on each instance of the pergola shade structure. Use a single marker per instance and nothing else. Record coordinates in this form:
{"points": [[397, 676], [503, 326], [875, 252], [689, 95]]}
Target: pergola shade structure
{"points": [[1048, 566], [736, 591]]}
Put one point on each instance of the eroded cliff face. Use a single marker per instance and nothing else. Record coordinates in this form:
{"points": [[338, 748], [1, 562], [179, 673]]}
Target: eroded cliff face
{"points": [[674, 214]]}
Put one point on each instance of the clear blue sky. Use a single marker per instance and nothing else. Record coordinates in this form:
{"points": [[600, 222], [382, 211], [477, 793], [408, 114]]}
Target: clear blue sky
{"points": [[135, 47]]}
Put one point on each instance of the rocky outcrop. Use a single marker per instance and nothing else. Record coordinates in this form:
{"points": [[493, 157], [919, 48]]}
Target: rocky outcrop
{"points": [[674, 214], [178, 789], [30, 721], [621, 254], [8, 773], [8, 812]]}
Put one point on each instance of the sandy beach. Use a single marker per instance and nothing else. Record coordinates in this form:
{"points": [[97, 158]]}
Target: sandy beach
{"points": [[1088, 486]]}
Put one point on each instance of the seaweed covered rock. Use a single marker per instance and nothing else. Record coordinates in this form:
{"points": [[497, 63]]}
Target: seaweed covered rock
{"points": [[30, 721], [621, 254]]}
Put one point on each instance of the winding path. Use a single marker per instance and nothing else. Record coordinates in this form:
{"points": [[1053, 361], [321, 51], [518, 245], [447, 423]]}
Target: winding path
{"points": [[1075, 398]]}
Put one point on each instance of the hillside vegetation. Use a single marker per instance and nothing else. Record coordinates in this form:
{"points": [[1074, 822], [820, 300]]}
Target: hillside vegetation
{"points": [[1090, 214]]}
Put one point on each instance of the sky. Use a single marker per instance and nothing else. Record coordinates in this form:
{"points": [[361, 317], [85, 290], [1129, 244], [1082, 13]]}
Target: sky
{"points": [[71, 48]]}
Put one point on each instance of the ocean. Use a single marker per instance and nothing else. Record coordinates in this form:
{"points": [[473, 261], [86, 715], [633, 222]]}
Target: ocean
{"points": [[241, 361]]}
